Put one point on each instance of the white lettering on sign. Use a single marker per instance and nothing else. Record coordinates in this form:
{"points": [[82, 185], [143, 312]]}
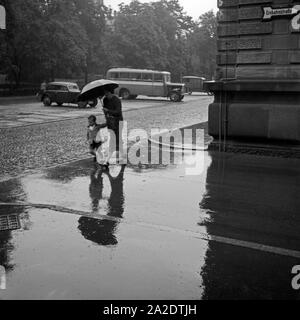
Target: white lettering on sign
{"points": [[2, 18]]}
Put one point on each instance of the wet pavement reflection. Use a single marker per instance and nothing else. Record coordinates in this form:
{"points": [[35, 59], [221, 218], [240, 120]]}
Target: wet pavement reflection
{"points": [[103, 231], [254, 199], [232, 231]]}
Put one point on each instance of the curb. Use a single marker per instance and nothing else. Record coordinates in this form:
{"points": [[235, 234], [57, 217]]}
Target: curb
{"points": [[256, 149], [189, 147], [231, 146]]}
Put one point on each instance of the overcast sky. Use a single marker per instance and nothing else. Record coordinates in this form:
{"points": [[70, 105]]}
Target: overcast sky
{"points": [[193, 8]]}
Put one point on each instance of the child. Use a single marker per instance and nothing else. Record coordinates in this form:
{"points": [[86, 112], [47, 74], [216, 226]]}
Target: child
{"points": [[93, 129], [102, 152]]}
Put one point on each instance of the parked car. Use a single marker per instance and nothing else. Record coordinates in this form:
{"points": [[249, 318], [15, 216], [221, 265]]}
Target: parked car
{"points": [[193, 84], [64, 92]]}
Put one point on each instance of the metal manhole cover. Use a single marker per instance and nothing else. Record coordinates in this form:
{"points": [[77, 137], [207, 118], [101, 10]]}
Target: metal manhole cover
{"points": [[9, 222]]}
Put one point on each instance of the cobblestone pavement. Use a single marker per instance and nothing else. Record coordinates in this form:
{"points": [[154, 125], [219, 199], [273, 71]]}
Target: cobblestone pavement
{"points": [[15, 113], [48, 144]]}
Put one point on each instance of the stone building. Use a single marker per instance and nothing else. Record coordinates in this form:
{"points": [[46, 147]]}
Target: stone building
{"points": [[257, 86]]}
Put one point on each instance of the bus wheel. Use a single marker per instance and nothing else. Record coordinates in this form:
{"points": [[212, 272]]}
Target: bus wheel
{"points": [[175, 97], [125, 94]]}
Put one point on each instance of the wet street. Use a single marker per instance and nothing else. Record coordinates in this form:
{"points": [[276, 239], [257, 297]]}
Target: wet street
{"points": [[230, 230], [41, 142]]}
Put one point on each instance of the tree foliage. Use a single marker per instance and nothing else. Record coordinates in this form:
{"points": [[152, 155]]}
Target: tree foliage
{"points": [[47, 39]]}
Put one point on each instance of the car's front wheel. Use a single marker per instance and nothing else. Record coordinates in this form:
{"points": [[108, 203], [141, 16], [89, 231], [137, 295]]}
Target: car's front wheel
{"points": [[47, 101]]}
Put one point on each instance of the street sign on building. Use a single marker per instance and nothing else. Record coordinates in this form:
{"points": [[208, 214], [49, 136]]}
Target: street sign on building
{"points": [[2, 18]]}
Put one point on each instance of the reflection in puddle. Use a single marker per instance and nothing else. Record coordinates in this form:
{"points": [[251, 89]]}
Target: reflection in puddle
{"points": [[12, 219], [251, 199], [103, 231], [158, 251]]}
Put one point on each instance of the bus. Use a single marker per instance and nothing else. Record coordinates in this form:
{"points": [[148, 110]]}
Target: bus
{"points": [[151, 83]]}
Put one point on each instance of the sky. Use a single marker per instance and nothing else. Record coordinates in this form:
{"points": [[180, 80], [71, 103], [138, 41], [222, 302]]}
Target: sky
{"points": [[193, 8]]}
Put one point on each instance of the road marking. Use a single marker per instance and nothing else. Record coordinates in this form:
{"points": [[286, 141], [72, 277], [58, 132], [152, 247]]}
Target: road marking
{"points": [[194, 234], [257, 246]]}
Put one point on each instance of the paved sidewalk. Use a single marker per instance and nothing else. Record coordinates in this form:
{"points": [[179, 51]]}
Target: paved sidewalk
{"points": [[231, 231], [29, 113], [29, 118]]}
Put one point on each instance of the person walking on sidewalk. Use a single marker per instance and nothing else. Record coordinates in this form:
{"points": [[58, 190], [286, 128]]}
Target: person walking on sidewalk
{"points": [[43, 87], [112, 108]]}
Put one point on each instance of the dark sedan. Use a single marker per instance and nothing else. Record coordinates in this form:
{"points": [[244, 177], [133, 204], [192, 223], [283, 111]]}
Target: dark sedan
{"points": [[64, 92]]}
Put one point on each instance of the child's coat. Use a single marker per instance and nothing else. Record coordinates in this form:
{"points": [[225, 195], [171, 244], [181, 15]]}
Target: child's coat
{"points": [[102, 152]]}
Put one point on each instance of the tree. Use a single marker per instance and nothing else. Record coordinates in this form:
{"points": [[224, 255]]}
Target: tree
{"points": [[92, 15], [138, 37], [202, 44], [66, 38], [51, 38], [150, 35]]}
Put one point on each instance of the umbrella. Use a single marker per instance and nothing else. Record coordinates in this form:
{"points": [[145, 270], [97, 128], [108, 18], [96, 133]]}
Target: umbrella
{"points": [[96, 89]]}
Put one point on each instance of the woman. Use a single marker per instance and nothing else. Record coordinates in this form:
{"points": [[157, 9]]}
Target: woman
{"points": [[112, 108]]}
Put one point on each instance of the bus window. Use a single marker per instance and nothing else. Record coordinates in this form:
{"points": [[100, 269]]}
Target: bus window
{"points": [[147, 76], [113, 75], [135, 76], [124, 75], [158, 77]]}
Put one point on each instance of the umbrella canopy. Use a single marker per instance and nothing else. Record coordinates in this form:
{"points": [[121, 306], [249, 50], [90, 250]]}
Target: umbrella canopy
{"points": [[96, 89]]}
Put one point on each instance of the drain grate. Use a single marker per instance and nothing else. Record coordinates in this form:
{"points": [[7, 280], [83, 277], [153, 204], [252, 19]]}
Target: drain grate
{"points": [[9, 222]]}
